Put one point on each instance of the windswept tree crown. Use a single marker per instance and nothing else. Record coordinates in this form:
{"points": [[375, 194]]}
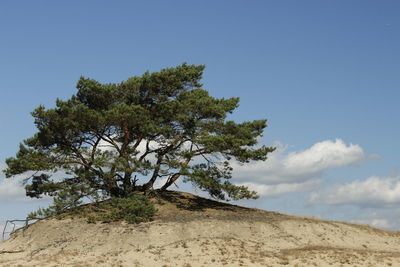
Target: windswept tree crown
{"points": [[120, 138]]}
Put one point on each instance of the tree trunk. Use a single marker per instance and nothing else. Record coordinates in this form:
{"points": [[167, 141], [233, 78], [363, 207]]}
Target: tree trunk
{"points": [[170, 181], [154, 177], [173, 178]]}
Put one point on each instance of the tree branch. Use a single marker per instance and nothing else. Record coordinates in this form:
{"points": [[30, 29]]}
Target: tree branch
{"points": [[154, 177], [109, 140]]}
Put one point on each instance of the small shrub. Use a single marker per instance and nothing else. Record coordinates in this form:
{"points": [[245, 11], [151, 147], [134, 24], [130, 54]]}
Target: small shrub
{"points": [[40, 213], [133, 209], [91, 219]]}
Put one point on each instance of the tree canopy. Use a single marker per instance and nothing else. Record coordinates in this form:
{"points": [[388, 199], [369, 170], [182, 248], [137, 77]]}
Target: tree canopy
{"points": [[117, 138]]}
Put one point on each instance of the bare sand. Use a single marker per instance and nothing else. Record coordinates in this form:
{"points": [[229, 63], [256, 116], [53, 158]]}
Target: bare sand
{"points": [[191, 231]]}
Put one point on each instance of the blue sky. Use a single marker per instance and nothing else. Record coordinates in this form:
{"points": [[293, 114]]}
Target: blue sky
{"points": [[324, 73]]}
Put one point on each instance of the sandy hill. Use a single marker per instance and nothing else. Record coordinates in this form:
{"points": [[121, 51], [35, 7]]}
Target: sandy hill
{"points": [[192, 231]]}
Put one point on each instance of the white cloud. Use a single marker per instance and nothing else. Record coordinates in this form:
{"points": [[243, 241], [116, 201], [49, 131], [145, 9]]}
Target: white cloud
{"points": [[282, 189], [2, 168], [323, 155], [374, 191], [12, 189], [294, 167]]}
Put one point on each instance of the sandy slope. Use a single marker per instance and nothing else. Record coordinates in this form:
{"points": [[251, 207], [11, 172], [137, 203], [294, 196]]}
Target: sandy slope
{"points": [[187, 233]]}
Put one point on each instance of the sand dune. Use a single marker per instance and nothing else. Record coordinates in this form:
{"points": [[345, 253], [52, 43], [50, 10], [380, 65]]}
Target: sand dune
{"points": [[191, 231]]}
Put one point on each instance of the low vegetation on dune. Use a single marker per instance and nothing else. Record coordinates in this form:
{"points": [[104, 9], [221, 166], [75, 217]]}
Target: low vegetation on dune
{"points": [[133, 209], [160, 205]]}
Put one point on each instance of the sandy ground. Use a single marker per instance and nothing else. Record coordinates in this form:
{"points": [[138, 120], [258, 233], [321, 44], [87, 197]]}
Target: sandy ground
{"points": [[188, 232]]}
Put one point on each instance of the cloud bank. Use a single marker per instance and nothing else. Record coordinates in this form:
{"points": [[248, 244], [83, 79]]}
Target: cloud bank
{"points": [[299, 171], [276, 190], [282, 167], [12, 189], [374, 191]]}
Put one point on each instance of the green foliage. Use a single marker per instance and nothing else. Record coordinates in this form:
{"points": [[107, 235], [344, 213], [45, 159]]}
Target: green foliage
{"points": [[41, 213], [133, 209], [157, 125], [68, 198]]}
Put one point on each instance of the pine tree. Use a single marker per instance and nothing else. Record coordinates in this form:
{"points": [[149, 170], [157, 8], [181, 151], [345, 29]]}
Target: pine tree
{"points": [[119, 138]]}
